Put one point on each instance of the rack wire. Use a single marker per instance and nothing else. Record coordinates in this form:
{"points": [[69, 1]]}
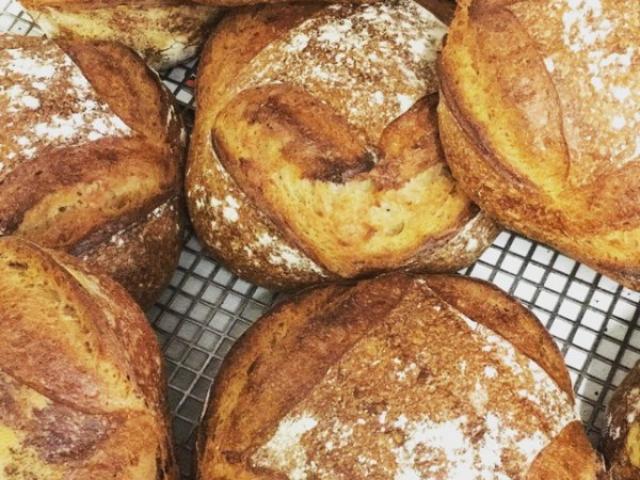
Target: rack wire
{"points": [[206, 308]]}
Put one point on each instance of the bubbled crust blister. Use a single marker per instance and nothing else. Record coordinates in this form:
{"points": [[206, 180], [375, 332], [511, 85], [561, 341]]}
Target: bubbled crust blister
{"points": [[318, 355], [539, 121], [76, 401], [102, 199], [295, 179], [621, 442]]}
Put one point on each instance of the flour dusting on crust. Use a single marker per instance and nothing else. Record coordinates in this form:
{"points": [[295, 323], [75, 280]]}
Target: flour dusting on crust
{"points": [[263, 244], [504, 410], [46, 102], [371, 63], [591, 49]]}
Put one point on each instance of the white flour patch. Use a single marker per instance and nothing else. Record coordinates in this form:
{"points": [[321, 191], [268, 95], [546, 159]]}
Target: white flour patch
{"points": [[549, 64], [584, 24], [47, 102], [230, 209], [285, 451]]}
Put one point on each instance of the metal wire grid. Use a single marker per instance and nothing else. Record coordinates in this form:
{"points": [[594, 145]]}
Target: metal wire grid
{"points": [[206, 309]]}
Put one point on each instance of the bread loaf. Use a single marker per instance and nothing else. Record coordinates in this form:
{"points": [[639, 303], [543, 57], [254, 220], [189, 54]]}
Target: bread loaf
{"points": [[621, 440], [164, 32], [400, 377], [315, 152], [76, 401], [539, 120], [91, 157]]}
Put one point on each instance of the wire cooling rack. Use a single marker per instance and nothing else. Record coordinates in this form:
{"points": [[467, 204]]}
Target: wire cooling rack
{"points": [[206, 309]]}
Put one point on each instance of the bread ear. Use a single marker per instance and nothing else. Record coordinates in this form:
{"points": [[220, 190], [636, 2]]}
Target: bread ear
{"points": [[569, 456], [87, 195], [490, 306]]}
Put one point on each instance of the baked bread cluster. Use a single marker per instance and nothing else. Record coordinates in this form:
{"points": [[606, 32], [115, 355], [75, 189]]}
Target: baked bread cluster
{"points": [[91, 158], [397, 377], [332, 142], [76, 401], [540, 121], [315, 152]]}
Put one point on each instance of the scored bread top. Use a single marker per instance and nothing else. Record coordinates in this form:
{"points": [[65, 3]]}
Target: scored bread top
{"points": [[91, 157], [397, 377], [540, 122], [591, 52], [315, 151], [368, 63], [481, 409], [47, 102], [75, 396]]}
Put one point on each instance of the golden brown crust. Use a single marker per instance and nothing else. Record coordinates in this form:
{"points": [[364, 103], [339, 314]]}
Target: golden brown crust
{"points": [[89, 198], [164, 32], [131, 255], [289, 360], [492, 307], [243, 3], [540, 123], [569, 457], [76, 401], [621, 442], [293, 181]]}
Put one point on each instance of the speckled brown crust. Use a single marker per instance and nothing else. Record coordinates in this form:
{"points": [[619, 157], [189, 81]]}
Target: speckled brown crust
{"points": [[355, 373], [539, 121], [442, 8], [621, 442], [76, 402], [115, 200], [164, 32], [315, 152]]}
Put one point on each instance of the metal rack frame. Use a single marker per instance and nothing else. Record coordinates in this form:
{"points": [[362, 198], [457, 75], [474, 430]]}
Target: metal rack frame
{"points": [[206, 308]]}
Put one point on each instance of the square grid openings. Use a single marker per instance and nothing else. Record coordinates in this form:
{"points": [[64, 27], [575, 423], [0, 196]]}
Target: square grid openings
{"points": [[206, 308]]}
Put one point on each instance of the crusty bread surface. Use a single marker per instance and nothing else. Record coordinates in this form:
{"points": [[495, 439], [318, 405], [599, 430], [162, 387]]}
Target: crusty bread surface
{"points": [[396, 377], [91, 156], [621, 442], [164, 32], [539, 122], [315, 152], [76, 402]]}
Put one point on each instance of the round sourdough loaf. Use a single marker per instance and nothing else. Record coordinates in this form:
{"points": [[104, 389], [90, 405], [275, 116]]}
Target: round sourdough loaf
{"points": [[164, 32], [540, 122], [76, 402], [91, 158], [399, 377], [315, 152], [622, 437]]}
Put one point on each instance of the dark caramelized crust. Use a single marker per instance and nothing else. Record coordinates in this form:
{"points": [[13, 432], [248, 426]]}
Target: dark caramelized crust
{"points": [[315, 153], [114, 200], [76, 402], [539, 122], [395, 376]]}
